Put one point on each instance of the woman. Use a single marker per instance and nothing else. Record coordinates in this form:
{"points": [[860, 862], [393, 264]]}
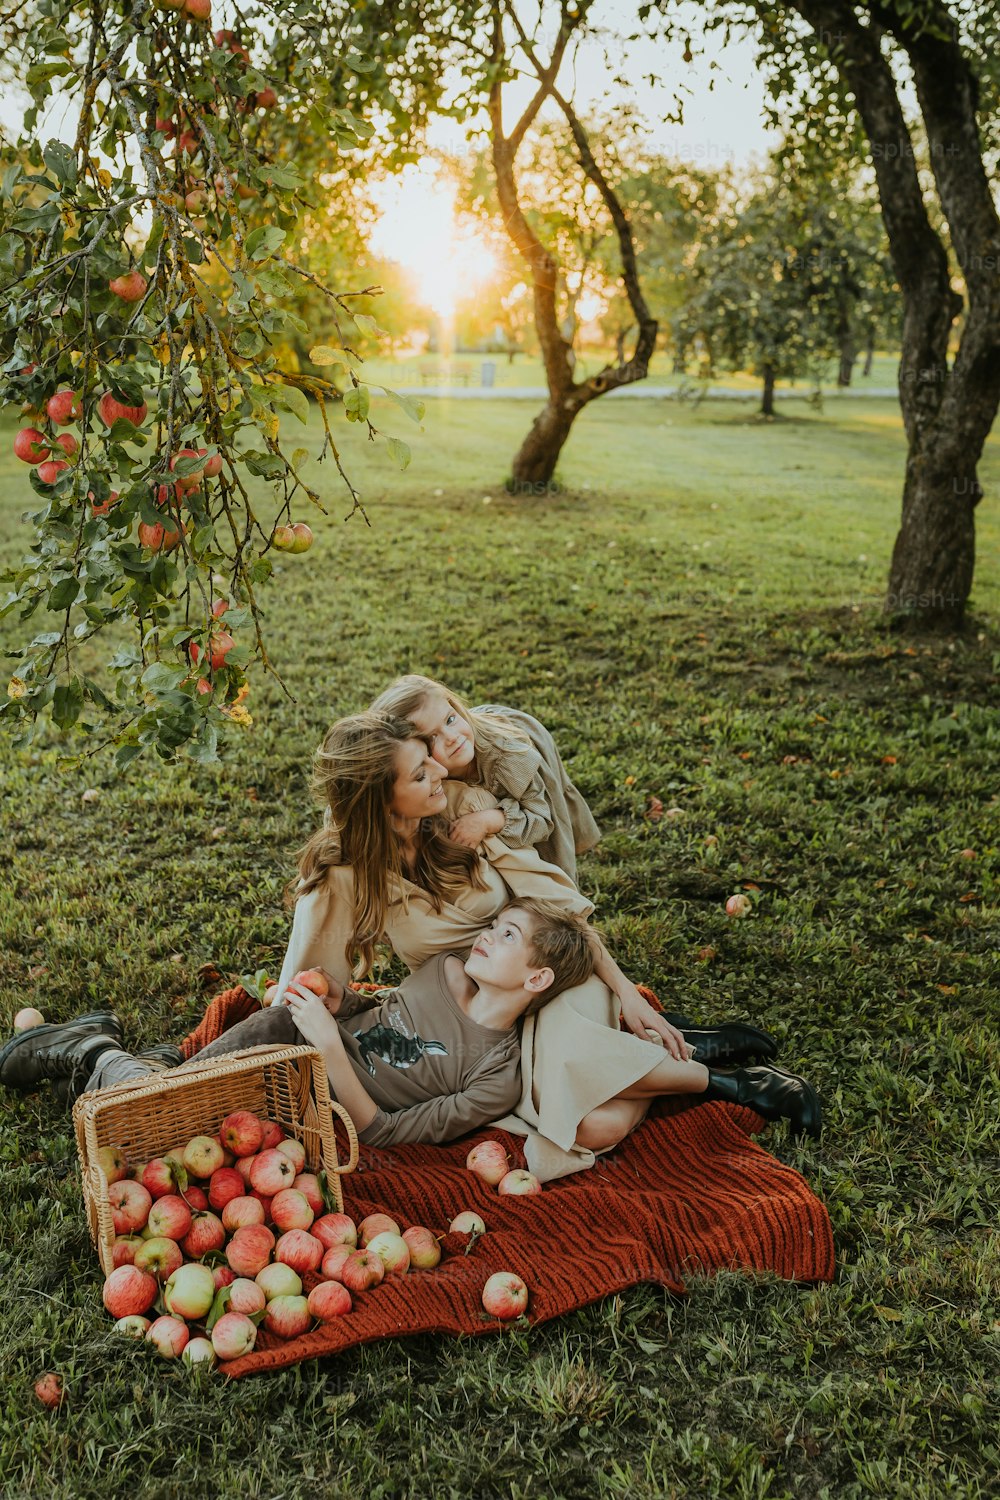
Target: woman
{"points": [[384, 866]]}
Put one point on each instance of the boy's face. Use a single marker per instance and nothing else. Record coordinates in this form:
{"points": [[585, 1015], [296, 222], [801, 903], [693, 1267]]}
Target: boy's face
{"points": [[501, 956], [449, 736]]}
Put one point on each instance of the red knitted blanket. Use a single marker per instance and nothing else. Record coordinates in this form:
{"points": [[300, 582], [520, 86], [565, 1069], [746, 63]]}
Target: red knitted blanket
{"points": [[688, 1192]]}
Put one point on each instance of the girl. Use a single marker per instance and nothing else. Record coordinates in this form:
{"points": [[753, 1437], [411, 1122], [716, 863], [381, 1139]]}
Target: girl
{"points": [[513, 756]]}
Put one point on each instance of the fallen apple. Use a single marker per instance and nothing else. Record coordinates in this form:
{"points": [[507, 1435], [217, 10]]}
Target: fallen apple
{"points": [[168, 1336], [505, 1295], [329, 1300], [489, 1161], [24, 1020], [233, 1335], [467, 1223], [519, 1183]]}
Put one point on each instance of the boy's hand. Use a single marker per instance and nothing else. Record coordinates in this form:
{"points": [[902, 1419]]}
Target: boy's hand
{"points": [[312, 1016], [472, 828]]}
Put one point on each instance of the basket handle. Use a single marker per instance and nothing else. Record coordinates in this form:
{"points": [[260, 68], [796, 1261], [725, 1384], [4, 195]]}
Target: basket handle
{"points": [[352, 1136]]}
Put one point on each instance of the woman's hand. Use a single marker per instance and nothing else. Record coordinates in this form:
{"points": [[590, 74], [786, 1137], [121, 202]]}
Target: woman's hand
{"points": [[652, 1026], [471, 828]]}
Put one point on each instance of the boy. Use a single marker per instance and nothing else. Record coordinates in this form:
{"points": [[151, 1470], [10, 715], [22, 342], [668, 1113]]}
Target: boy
{"points": [[432, 1060]]}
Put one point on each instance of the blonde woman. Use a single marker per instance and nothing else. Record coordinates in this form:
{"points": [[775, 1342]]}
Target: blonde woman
{"points": [[512, 756], [385, 867]]}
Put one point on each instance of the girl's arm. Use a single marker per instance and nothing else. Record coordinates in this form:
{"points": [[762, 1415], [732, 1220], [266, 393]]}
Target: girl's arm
{"points": [[640, 1017]]}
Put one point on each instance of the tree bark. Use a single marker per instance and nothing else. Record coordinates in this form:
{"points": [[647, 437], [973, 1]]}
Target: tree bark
{"points": [[536, 459], [933, 559], [869, 349], [767, 401]]}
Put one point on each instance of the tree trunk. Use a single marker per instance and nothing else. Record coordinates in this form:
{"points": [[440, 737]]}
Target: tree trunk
{"points": [[767, 403], [536, 459], [869, 349], [935, 552]]}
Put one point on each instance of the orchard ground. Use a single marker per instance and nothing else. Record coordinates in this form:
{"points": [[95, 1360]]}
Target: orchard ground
{"points": [[697, 616]]}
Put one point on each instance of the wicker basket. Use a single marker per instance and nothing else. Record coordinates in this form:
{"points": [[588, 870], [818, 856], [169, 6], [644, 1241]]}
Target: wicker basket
{"points": [[287, 1084]]}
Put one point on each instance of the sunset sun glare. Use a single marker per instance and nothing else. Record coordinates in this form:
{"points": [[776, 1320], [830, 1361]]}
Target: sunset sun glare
{"points": [[418, 228]]}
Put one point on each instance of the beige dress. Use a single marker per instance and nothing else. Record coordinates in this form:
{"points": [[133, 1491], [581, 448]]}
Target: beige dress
{"points": [[573, 1056]]}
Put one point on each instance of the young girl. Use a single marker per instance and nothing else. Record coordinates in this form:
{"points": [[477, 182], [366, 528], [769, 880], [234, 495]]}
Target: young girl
{"points": [[513, 756]]}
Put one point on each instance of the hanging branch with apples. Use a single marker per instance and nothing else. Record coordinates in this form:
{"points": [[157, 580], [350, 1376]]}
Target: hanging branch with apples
{"points": [[143, 273]]}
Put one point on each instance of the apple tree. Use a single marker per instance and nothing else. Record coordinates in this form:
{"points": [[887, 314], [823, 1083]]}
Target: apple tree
{"points": [[146, 278]]}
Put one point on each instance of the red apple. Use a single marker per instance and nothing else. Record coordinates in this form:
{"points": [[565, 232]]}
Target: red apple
{"points": [[329, 1300], [272, 1171], [158, 538], [279, 1280], [738, 906], [225, 1185], [296, 1153], [128, 1291], [246, 1297], [68, 443], [110, 409], [376, 1224], [170, 1216], [130, 1205], [222, 1276], [266, 99], [63, 408], [288, 1317], [249, 1250], [133, 1327], [239, 1213], [312, 979], [290, 1210], [49, 1390], [196, 200], [206, 1233], [273, 1134], [264, 1201], [307, 1183], [425, 1252], [49, 471], [213, 465], [241, 1131], [334, 1261], [300, 1250], [467, 1223], [303, 537], [336, 1229], [199, 10], [519, 1184], [489, 1162], [130, 287], [159, 1176], [161, 1257], [393, 1251], [30, 445], [189, 1292], [168, 1337], [361, 1270], [125, 1249], [233, 1335], [103, 507], [505, 1295], [197, 1201], [187, 483], [220, 643], [244, 1165]]}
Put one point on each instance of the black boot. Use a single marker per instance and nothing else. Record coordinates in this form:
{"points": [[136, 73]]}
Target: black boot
{"points": [[47, 1053], [732, 1042], [772, 1093]]}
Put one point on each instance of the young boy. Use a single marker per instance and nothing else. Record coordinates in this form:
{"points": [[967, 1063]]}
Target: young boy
{"points": [[429, 1061]]}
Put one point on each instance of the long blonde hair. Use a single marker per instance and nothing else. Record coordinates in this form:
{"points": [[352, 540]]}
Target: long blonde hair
{"points": [[354, 773], [408, 694]]}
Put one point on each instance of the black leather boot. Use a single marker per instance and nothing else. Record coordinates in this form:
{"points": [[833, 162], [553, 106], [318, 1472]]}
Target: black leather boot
{"points": [[772, 1093], [45, 1054], [732, 1042]]}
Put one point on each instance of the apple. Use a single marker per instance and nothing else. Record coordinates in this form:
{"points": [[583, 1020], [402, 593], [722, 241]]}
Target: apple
{"points": [[220, 643], [307, 1183], [49, 471], [312, 979], [213, 464], [110, 1159], [272, 1171], [393, 1251], [239, 1213], [246, 1297], [224, 1185], [295, 1152], [49, 1390], [273, 1135], [164, 124], [334, 1260], [489, 1162], [218, 610], [125, 1249], [738, 906], [30, 445], [303, 537], [68, 443], [279, 1280], [519, 1183], [110, 410], [249, 1250], [206, 1233], [467, 1223], [199, 1352], [300, 1250], [128, 1291], [290, 1210], [505, 1295], [130, 1205], [130, 287], [244, 1165], [190, 1291], [200, 10], [222, 1276], [264, 1201], [196, 200], [425, 1252], [24, 1020], [329, 1300], [168, 1337], [202, 1156], [161, 1257], [158, 538], [376, 1224], [362, 1270], [230, 41], [133, 1327], [189, 141], [242, 1131], [288, 1317], [170, 1216], [233, 1335], [266, 99], [187, 483], [160, 1177], [103, 507], [283, 539], [335, 1229], [63, 408], [197, 1201]]}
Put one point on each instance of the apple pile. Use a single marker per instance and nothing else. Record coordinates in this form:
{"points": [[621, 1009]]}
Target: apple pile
{"points": [[489, 1161]]}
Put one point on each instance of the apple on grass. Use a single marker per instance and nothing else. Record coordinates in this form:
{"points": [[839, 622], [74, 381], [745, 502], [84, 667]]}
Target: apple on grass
{"points": [[199, 1352], [168, 1336], [49, 1390], [28, 1017], [233, 1335], [505, 1295], [190, 1291], [739, 906], [133, 1327]]}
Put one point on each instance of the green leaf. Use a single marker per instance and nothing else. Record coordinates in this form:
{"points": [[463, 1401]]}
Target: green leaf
{"points": [[357, 402], [399, 451], [126, 754], [322, 354], [219, 1305], [299, 458], [67, 701], [414, 409], [262, 243], [161, 678], [296, 402], [367, 324], [64, 593]]}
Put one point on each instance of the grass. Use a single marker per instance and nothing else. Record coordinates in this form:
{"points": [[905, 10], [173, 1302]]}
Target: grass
{"points": [[694, 619]]}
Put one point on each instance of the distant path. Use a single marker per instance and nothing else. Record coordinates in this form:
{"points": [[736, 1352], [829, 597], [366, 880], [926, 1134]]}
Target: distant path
{"points": [[641, 389]]}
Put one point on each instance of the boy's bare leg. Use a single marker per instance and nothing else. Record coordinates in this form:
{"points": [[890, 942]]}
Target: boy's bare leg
{"points": [[610, 1122]]}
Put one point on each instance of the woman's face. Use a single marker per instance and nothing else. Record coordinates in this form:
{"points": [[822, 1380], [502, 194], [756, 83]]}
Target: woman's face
{"points": [[418, 791], [448, 734]]}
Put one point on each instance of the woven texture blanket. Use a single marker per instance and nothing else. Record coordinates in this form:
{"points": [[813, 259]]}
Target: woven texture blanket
{"points": [[689, 1192]]}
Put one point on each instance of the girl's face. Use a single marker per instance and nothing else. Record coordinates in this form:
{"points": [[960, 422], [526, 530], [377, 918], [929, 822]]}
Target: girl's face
{"points": [[418, 791], [449, 736]]}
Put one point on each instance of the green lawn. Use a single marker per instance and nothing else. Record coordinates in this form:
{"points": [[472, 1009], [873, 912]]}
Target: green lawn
{"points": [[696, 617]]}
